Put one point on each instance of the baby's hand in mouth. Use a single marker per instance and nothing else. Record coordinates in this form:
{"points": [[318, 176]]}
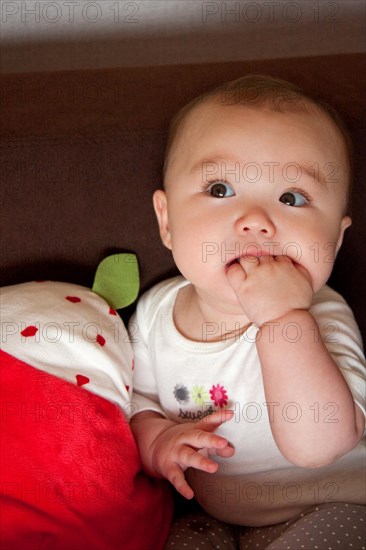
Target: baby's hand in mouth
{"points": [[268, 287]]}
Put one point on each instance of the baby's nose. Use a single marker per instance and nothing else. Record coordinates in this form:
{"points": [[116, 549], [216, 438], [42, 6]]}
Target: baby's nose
{"points": [[255, 221]]}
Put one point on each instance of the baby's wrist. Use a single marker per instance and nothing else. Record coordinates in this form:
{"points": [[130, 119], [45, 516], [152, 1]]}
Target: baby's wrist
{"points": [[279, 318], [291, 327]]}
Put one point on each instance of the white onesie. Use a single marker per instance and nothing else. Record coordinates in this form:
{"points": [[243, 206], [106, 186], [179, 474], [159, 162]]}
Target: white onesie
{"points": [[185, 380]]}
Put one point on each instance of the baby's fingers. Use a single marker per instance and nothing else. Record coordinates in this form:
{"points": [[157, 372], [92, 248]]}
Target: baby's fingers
{"points": [[236, 275], [176, 477], [188, 458], [226, 452], [214, 420], [191, 458]]}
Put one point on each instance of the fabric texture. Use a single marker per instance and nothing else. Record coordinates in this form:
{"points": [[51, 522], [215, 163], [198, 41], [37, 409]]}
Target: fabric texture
{"points": [[186, 380], [117, 280], [71, 332], [327, 526], [70, 471]]}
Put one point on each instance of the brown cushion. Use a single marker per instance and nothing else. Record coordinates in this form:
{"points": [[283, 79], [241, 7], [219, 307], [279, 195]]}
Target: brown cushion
{"points": [[83, 151]]}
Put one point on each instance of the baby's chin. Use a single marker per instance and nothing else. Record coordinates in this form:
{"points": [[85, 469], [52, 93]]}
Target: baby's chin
{"points": [[223, 300]]}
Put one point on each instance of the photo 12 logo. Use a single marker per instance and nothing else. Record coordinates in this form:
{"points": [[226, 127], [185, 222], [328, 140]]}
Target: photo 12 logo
{"points": [[272, 171], [270, 12], [70, 12], [269, 492], [272, 248]]}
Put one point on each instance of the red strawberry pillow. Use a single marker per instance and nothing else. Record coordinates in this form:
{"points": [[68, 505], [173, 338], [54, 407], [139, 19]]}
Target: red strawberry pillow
{"points": [[70, 471]]}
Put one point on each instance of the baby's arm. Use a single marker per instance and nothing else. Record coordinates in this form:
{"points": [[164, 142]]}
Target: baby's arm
{"points": [[302, 382], [324, 422], [167, 449]]}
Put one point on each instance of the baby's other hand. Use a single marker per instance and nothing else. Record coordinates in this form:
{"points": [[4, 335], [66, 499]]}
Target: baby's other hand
{"points": [[180, 447], [268, 287]]}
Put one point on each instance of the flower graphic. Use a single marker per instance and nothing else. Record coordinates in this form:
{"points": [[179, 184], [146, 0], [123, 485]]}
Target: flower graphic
{"points": [[200, 395], [218, 395], [181, 393]]}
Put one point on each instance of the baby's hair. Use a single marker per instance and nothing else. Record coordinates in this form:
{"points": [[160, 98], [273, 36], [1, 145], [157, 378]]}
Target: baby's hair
{"points": [[262, 91]]}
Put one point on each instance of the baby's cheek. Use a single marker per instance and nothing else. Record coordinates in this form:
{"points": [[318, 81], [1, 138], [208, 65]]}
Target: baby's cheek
{"points": [[319, 270]]}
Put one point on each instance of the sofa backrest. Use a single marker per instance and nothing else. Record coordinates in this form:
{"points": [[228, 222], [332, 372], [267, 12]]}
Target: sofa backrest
{"points": [[82, 153]]}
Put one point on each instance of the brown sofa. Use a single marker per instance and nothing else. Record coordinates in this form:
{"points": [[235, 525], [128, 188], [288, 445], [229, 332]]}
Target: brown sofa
{"points": [[82, 153]]}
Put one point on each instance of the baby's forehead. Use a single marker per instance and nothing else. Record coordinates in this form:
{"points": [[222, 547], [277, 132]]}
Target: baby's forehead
{"points": [[302, 112], [215, 122], [212, 119], [206, 112]]}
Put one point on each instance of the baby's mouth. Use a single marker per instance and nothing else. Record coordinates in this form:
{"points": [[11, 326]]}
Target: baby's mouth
{"points": [[249, 257], [232, 262]]}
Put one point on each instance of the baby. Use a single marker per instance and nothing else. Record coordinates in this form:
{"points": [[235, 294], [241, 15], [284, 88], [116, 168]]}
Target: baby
{"points": [[249, 372]]}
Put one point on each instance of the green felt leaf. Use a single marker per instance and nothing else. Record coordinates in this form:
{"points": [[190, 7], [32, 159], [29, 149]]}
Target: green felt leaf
{"points": [[117, 280]]}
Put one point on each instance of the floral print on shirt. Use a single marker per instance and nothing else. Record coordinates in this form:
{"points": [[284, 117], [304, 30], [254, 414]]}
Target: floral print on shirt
{"points": [[219, 395], [181, 393], [200, 395]]}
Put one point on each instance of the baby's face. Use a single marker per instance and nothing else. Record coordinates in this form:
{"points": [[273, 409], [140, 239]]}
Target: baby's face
{"points": [[248, 181]]}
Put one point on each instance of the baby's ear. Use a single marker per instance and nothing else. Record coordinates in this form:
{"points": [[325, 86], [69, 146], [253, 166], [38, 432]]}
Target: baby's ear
{"points": [[345, 223], [161, 211]]}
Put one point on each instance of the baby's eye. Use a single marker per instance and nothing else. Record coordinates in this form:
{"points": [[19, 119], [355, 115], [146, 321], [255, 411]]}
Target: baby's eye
{"points": [[294, 198], [220, 190]]}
